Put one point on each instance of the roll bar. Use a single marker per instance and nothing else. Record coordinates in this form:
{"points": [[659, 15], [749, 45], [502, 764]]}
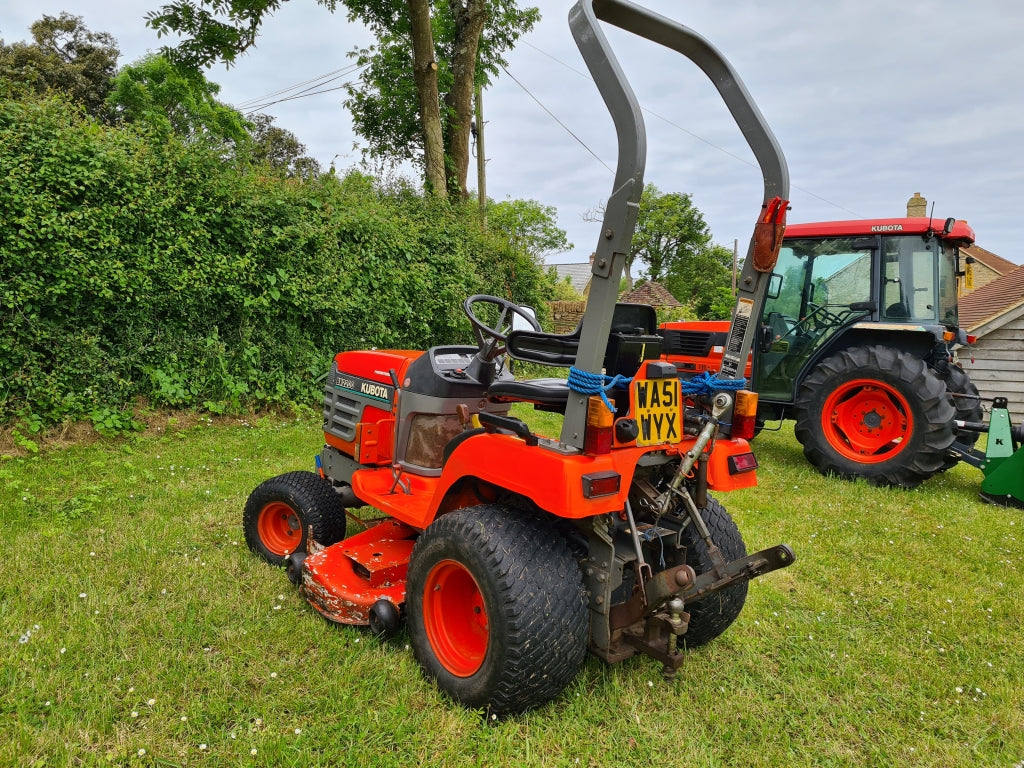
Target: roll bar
{"points": [[623, 204]]}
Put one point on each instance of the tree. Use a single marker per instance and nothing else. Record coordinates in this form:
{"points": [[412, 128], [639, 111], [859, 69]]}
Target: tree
{"points": [[669, 229], [176, 99], [279, 148], [673, 242], [529, 227], [65, 57], [397, 107], [706, 280]]}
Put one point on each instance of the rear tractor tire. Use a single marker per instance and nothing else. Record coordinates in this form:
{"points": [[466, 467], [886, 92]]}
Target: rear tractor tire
{"points": [[497, 612], [281, 511], [967, 402], [875, 413], [712, 615]]}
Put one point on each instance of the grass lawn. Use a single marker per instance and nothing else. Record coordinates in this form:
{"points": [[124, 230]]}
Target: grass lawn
{"points": [[137, 629]]}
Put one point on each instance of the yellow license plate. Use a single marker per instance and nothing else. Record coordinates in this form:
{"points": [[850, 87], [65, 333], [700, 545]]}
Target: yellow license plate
{"points": [[656, 408]]}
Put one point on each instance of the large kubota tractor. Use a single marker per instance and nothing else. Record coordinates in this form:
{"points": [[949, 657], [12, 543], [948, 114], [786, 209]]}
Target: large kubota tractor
{"points": [[856, 342], [509, 554]]}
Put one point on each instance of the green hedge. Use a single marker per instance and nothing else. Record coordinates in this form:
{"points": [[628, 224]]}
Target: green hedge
{"points": [[132, 268]]}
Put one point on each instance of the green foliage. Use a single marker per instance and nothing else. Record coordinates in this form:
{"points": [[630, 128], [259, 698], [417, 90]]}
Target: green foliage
{"points": [[21, 441], [66, 57], [175, 99], [110, 421], [562, 289], [279, 148], [529, 226], [674, 242], [384, 102], [669, 229], [708, 280], [134, 265], [213, 30]]}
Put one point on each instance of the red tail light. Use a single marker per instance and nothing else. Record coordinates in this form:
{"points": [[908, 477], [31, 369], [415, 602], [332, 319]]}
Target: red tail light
{"points": [[744, 414], [601, 484], [742, 462], [597, 439]]}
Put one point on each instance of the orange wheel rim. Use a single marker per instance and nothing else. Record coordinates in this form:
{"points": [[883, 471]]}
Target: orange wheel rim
{"points": [[279, 528], [867, 421], [455, 618]]}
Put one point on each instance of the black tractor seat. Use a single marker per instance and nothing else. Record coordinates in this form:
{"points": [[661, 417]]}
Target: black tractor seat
{"points": [[633, 338], [544, 394]]}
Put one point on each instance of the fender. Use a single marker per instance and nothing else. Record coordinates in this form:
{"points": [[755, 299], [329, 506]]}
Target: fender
{"points": [[555, 482]]}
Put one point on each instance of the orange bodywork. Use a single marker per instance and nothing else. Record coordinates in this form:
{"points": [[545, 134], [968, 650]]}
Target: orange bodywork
{"points": [[692, 365], [345, 580], [553, 480]]}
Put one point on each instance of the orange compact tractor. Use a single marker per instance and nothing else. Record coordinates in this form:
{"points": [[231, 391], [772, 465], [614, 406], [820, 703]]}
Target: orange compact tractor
{"points": [[508, 555]]}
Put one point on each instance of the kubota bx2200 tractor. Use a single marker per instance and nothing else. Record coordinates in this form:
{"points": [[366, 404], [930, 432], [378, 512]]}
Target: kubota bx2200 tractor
{"points": [[509, 554], [856, 341]]}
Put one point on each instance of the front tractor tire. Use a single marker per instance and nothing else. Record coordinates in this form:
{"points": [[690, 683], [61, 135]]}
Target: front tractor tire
{"points": [[875, 413], [497, 611], [281, 511]]}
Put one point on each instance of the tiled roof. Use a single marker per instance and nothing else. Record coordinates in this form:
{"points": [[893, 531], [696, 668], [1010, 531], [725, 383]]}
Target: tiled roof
{"points": [[578, 274], [650, 292], [992, 300], [989, 259]]}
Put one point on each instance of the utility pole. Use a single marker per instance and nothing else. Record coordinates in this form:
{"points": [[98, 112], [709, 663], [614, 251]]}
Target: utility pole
{"points": [[481, 160]]}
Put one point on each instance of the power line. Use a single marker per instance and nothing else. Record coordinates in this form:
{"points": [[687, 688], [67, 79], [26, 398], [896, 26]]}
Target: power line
{"points": [[258, 107], [319, 79], [674, 125], [555, 118], [308, 88]]}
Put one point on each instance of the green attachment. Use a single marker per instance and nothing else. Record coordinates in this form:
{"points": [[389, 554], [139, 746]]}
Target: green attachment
{"points": [[1000, 439], [1004, 481], [1003, 466]]}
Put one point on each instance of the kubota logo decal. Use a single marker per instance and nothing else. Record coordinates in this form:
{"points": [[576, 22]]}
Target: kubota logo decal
{"points": [[375, 390], [366, 388], [887, 228]]}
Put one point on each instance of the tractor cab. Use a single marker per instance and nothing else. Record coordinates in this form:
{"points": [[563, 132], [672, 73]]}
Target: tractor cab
{"points": [[856, 343], [842, 283]]}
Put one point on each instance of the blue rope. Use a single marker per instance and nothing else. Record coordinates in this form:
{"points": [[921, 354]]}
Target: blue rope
{"points": [[587, 383], [707, 383]]}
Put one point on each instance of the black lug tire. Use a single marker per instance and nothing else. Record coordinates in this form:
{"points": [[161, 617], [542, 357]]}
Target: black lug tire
{"points": [[712, 615], [968, 408], [279, 513], [921, 452], [529, 588]]}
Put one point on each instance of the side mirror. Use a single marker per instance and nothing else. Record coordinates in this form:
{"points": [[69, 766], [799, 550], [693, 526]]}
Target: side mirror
{"points": [[520, 323]]}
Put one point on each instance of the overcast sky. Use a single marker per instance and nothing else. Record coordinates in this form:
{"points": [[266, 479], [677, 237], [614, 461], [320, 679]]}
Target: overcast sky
{"points": [[871, 100]]}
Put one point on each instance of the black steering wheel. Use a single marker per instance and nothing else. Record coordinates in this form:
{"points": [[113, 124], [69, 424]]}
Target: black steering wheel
{"points": [[491, 339], [819, 317]]}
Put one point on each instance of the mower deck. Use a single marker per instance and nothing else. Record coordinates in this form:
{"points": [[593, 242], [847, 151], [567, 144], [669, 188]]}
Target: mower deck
{"points": [[345, 580]]}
